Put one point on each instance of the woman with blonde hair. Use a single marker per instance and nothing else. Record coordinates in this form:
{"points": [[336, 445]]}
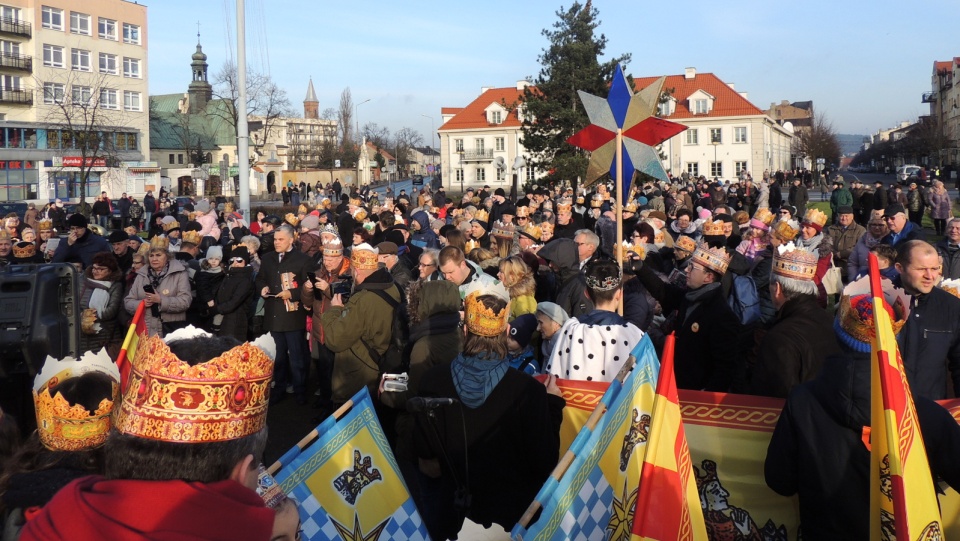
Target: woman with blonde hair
{"points": [[941, 208], [518, 279]]}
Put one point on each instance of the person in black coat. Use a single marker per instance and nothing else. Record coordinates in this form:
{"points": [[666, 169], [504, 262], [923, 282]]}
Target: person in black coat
{"points": [[81, 244], [233, 296], [817, 449], [278, 282]]}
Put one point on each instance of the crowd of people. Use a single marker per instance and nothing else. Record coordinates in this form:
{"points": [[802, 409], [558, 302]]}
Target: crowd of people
{"points": [[469, 297]]}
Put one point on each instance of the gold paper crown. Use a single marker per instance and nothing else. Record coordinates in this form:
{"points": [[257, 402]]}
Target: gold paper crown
{"points": [[580, 200], [97, 229], [483, 215], [596, 201], [229, 207], [855, 315], [324, 204], [360, 214], [546, 228], [470, 245], [715, 259], [45, 225], [302, 209], [5, 235], [814, 216], [786, 230], [713, 228], [222, 399], [170, 226], [951, 286], [794, 262], [501, 229], [24, 249], [63, 427], [193, 237], [764, 216], [686, 244], [364, 257], [160, 243], [523, 212], [659, 237], [291, 219], [481, 320], [564, 206], [355, 201], [624, 250], [631, 206], [532, 231]]}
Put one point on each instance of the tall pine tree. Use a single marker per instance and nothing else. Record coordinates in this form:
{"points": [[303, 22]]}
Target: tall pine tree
{"points": [[552, 108]]}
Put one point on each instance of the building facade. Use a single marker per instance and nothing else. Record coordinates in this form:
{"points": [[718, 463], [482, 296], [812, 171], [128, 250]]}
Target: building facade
{"points": [[63, 63], [944, 101]]}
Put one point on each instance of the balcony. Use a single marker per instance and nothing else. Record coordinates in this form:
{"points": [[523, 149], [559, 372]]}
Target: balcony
{"points": [[16, 96], [929, 97], [477, 156], [15, 27], [20, 62]]}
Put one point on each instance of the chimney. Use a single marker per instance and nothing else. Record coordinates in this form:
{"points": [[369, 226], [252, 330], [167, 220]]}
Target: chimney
{"points": [[484, 89], [522, 84], [784, 102], [744, 95], [733, 86], [690, 73]]}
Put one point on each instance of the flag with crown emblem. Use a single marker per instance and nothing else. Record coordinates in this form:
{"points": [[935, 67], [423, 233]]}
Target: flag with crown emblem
{"points": [[596, 496], [348, 483], [903, 503], [128, 351]]}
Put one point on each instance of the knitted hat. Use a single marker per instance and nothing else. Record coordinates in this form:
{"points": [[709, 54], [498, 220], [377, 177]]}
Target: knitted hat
{"points": [[77, 220], [310, 222], [238, 251], [553, 311], [215, 252], [118, 236], [521, 329]]}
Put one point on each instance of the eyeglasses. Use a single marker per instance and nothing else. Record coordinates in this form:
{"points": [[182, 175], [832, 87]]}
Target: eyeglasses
{"points": [[422, 264], [237, 260], [98, 268]]}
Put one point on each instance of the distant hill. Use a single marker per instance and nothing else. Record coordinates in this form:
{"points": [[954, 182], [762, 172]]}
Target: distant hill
{"points": [[850, 144]]}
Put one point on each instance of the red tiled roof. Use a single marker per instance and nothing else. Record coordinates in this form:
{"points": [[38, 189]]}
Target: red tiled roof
{"points": [[473, 116], [727, 102], [450, 110], [383, 152], [945, 65]]}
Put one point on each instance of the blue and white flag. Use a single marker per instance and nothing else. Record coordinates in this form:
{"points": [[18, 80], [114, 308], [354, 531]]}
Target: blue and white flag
{"points": [[348, 484]]}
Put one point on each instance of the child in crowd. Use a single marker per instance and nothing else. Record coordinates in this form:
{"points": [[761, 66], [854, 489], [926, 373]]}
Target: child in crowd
{"points": [[520, 353], [208, 280]]}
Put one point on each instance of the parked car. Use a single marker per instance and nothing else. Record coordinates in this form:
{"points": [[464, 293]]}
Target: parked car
{"points": [[7, 208], [906, 172]]}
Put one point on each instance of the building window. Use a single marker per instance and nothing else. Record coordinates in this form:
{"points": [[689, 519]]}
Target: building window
{"points": [[501, 174], [80, 59], [716, 169], [481, 174], [82, 95], [107, 29], [495, 117], [108, 63], [500, 143], [179, 159], [531, 174], [131, 101], [740, 167], [79, 23], [52, 93], [52, 18], [108, 98], [663, 109], [9, 47], [458, 145], [478, 144], [10, 13], [171, 159], [459, 175], [740, 135], [693, 136], [52, 56], [693, 168], [10, 82], [131, 33], [700, 107], [131, 67], [126, 141], [716, 136]]}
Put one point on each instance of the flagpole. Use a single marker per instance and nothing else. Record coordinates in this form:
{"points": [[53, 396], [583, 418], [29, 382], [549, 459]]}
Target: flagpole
{"points": [[619, 204], [308, 439]]}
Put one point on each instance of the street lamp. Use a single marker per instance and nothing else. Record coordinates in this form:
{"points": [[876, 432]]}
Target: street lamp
{"points": [[433, 159], [356, 115]]}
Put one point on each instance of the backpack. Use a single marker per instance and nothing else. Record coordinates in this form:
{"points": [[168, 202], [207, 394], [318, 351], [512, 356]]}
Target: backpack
{"points": [[396, 358], [744, 300]]}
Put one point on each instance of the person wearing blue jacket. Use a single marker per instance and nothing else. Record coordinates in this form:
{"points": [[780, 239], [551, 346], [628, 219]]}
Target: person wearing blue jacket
{"points": [[423, 236]]}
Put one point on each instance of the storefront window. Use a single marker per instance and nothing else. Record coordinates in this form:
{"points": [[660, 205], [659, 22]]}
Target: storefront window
{"points": [[29, 138], [19, 180]]}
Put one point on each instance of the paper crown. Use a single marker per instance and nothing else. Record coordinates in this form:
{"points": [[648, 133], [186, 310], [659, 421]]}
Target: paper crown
{"points": [[763, 216], [170, 226], [470, 246], [291, 219], [355, 201], [623, 251], [501, 229], [63, 427], [483, 215], [786, 230], [715, 259], [685, 243], [333, 247], [564, 206], [329, 229], [24, 249], [45, 225], [531, 231], [546, 228], [713, 228], [596, 201], [360, 214], [855, 324], [324, 204], [659, 237], [222, 399], [97, 229], [580, 200], [631, 206], [481, 320], [229, 207], [794, 262], [951, 286], [606, 284], [193, 237], [364, 257], [523, 212], [302, 209], [159, 243], [5, 235], [815, 217]]}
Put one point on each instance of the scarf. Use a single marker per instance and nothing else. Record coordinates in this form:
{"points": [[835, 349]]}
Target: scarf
{"points": [[100, 295], [870, 241], [156, 277], [695, 296], [475, 377]]}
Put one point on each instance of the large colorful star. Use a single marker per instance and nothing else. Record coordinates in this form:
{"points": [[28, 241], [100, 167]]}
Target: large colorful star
{"points": [[635, 114], [357, 534]]}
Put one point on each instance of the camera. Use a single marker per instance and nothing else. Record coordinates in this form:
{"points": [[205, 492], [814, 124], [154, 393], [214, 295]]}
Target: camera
{"points": [[395, 383], [343, 287]]}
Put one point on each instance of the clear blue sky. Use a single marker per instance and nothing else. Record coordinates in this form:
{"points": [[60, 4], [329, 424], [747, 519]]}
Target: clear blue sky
{"points": [[864, 63]]}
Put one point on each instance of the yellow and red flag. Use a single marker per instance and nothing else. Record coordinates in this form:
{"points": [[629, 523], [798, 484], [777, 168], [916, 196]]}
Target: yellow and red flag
{"points": [[137, 330], [902, 497], [668, 505]]}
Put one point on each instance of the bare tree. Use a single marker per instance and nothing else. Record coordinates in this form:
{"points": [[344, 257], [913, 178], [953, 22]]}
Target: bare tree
{"points": [[329, 114], [819, 141], [264, 99], [345, 116], [378, 135], [87, 119], [404, 141]]}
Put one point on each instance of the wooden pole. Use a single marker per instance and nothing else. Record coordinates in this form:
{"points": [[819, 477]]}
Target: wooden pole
{"points": [[308, 439], [619, 203]]}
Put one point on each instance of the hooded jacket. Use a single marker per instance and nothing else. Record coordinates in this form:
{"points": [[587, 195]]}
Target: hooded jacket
{"points": [[425, 237], [233, 301], [817, 448], [571, 294]]}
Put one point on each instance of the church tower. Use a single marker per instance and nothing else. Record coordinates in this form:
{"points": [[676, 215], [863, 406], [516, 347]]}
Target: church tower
{"points": [[311, 104], [200, 90]]}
